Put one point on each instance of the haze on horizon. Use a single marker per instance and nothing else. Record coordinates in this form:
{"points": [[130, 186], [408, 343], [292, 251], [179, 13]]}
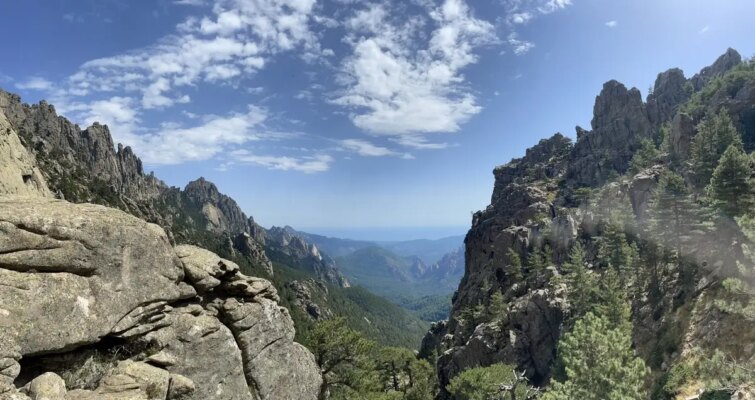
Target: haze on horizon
{"points": [[346, 116]]}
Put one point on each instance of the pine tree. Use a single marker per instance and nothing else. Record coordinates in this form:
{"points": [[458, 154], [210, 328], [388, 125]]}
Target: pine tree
{"points": [[498, 381], [399, 371], [612, 302], [340, 352], [675, 217], [514, 267], [613, 249], [714, 135], [579, 280], [645, 157], [497, 308], [537, 262], [599, 362], [732, 188]]}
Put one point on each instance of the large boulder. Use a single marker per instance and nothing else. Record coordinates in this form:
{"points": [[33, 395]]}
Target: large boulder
{"points": [[71, 273], [197, 346], [265, 334], [641, 190]]}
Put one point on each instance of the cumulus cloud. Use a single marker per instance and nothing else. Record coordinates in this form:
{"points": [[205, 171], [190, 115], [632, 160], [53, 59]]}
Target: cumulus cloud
{"points": [[234, 41], [397, 82], [612, 24], [231, 42], [308, 164], [418, 142], [519, 46], [173, 143], [35, 83], [368, 149]]}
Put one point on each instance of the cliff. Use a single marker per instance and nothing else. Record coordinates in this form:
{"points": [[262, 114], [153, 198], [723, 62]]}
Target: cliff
{"points": [[96, 303], [561, 193]]}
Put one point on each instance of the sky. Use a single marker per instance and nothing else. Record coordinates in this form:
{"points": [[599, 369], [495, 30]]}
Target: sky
{"points": [[347, 115]]}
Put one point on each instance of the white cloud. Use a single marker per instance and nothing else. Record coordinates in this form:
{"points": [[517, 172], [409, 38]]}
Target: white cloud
{"points": [[215, 135], [398, 82], [418, 142], [190, 2], [73, 18], [520, 12], [367, 149], [173, 143], [304, 95], [255, 90], [704, 29], [550, 6], [519, 46], [308, 164], [232, 43], [612, 24], [35, 83], [520, 18]]}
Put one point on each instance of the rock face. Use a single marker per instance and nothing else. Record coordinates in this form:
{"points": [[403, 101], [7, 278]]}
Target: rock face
{"points": [[669, 92], [19, 173], [620, 121], [521, 207], [723, 64], [88, 265], [102, 302], [641, 190], [540, 200], [62, 150], [308, 297], [220, 212], [299, 253]]}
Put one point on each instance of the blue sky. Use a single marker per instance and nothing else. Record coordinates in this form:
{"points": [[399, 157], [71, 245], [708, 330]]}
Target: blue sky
{"points": [[349, 114]]}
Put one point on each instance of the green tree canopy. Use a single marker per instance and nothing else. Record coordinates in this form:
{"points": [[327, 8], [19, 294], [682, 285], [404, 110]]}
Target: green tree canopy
{"points": [[731, 187], [496, 382], [599, 364], [715, 134], [340, 352], [580, 282]]}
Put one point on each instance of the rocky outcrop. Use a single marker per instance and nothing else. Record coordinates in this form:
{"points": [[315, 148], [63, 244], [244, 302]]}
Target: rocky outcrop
{"points": [[19, 174], [641, 190], [669, 92], [245, 244], [448, 270], [522, 208], [308, 297], [294, 250], [620, 121], [63, 150], [680, 137], [527, 338], [75, 279], [88, 265], [723, 64], [559, 194], [220, 212]]}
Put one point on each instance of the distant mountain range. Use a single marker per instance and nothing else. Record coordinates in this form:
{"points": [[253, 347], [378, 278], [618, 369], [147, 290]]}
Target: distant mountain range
{"points": [[428, 250], [419, 275]]}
